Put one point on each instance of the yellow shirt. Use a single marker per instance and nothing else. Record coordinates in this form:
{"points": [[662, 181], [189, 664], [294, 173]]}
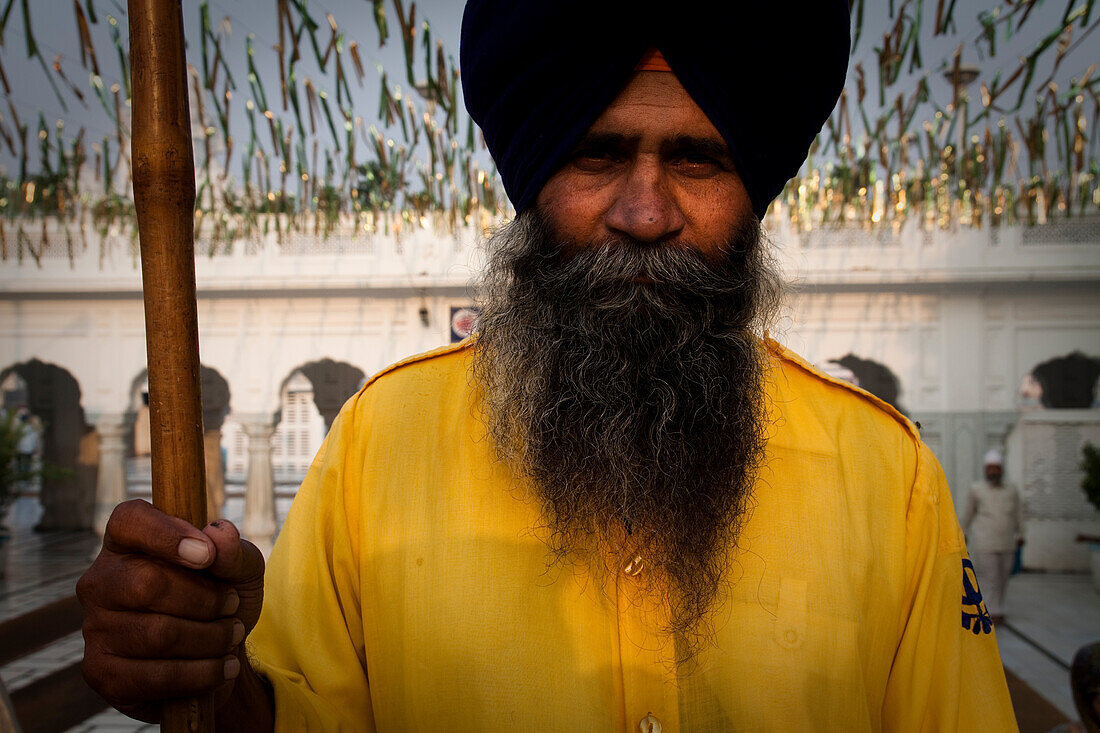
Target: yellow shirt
{"points": [[408, 592]]}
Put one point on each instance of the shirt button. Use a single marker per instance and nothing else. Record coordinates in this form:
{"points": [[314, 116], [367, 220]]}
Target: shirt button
{"points": [[650, 724], [633, 568]]}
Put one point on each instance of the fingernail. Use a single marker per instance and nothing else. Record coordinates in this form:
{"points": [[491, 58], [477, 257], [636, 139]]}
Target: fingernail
{"points": [[232, 667], [195, 552], [231, 602], [238, 632]]}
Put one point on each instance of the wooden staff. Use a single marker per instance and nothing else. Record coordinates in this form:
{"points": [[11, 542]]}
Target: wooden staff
{"points": [[164, 194]]}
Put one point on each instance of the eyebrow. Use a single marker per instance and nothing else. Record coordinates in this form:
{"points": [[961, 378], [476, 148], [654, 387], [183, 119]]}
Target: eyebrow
{"points": [[709, 146], [605, 140]]}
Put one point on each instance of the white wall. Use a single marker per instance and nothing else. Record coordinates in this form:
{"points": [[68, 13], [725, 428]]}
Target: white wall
{"points": [[959, 317], [1044, 458]]}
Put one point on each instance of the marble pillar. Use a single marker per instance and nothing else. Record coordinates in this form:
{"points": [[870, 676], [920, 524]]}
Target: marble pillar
{"points": [[110, 489], [259, 486]]}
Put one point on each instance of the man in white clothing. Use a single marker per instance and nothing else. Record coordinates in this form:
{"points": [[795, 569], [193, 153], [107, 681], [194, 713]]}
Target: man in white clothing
{"points": [[993, 522]]}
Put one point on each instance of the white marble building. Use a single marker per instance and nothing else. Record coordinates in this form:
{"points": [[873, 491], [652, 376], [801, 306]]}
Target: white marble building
{"points": [[960, 319]]}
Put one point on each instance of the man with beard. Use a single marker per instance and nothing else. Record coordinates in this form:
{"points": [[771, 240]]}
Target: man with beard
{"points": [[620, 506]]}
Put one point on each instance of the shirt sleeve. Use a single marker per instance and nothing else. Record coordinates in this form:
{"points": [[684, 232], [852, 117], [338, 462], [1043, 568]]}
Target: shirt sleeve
{"points": [[947, 672], [308, 642]]}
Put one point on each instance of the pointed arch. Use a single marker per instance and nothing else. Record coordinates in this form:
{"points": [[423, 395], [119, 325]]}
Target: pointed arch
{"points": [[68, 442], [333, 383], [876, 378], [1066, 382]]}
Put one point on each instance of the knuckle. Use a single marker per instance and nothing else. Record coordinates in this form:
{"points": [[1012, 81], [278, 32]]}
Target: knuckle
{"points": [[225, 628], [208, 640], [173, 679], [146, 685], [123, 517], [90, 585], [85, 587], [111, 690], [106, 639], [206, 598], [162, 633], [146, 583], [92, 632], [211, 674], [90, 669], [98, 677], [153, 682], [214, 603]]}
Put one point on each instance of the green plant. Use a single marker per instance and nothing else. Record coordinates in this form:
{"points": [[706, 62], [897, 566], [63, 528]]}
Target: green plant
{"points": [[11, 472], [1090, 464]]}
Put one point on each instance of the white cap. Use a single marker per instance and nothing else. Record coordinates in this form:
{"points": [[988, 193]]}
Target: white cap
{"points": [[993, 457]]}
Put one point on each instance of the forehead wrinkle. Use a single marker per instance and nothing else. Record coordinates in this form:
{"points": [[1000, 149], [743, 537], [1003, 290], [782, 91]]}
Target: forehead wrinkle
{"points": [[655, 90], [633, 121]]}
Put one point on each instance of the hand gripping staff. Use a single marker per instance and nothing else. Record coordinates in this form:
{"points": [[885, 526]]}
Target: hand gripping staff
{"points": [[164, 196]]}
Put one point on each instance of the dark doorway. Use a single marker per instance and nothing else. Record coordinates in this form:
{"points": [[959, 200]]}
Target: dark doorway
{"points": [[874, 377], [1068, 382], [333, 383], [68, 443], [215, 407]]}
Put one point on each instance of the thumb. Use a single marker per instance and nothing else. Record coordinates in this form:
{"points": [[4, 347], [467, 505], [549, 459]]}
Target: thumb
{"points": [[236, 560], [240, 563]]}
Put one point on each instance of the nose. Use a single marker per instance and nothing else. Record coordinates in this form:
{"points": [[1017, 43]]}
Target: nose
{"points": [[644, 208]]}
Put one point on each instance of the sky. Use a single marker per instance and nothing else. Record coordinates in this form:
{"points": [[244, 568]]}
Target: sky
{"points": [[58, 36], [32, 94]]}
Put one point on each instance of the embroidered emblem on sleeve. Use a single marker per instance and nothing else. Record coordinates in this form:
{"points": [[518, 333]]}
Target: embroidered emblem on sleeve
{"points": [[975, 617]]}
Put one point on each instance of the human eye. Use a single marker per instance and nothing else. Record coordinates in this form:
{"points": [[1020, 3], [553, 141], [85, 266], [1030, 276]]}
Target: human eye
{"points": [[700, 160], [597, 157], [699, 165]]}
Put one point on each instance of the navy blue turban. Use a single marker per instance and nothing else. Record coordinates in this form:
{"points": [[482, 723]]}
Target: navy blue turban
{"points": [[537, 73]]}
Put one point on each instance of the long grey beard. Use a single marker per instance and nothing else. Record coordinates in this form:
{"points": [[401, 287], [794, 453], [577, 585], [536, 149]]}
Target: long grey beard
{"points": [[626, 382]]}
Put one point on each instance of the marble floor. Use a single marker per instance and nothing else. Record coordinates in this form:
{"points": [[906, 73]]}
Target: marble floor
{"points": [[1048, 617]]}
